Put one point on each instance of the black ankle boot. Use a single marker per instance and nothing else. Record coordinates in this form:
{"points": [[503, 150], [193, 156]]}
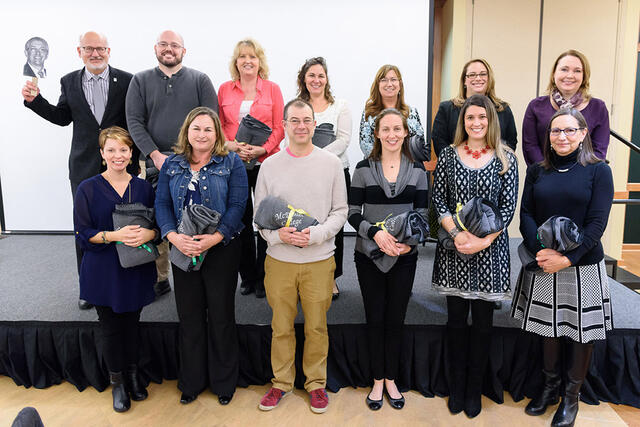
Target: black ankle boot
{"points": [[568, 409], [458, 341], [550, 393], [136, 390], [121, 401]]}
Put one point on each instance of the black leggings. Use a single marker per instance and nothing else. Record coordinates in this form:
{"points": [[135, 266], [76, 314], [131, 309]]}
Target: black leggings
{"points": [[385, 297], [252, 263], [338, 255], [120, 334], [458, 312]]}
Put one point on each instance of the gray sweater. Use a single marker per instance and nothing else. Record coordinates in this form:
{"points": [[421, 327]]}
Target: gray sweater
{"points": [[157, 105]]}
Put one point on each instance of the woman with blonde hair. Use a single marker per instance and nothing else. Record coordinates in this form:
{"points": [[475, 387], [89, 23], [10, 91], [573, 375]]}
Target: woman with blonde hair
{"points": [[477, 164], [249, 92], [387, 91], [568, 88], [476, 78], [203, 172]]}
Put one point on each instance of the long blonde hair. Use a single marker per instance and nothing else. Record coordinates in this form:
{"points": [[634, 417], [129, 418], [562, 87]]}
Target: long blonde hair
{"points": [[458, 101], [374, 105], [492, 137]]}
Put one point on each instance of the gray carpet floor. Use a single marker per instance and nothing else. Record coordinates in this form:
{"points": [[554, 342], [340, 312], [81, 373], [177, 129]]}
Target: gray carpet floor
{"points": [[38, 281]]}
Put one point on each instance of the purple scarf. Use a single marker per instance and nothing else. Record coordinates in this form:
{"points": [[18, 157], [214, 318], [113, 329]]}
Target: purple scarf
{"points": [[574, 102]]}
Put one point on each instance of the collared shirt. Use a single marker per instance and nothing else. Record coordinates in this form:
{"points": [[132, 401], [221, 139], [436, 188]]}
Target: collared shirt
{"points": [[42, 73], [268, 107], [87, 86]]}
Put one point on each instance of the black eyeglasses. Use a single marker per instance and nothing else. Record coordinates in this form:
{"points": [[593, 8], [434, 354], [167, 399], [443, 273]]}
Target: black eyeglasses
{"points": [[566, 131], [90, 49], [482, 75]]}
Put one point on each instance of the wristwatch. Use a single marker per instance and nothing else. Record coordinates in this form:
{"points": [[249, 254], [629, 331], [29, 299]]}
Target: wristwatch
{"points": [[454, 232]]}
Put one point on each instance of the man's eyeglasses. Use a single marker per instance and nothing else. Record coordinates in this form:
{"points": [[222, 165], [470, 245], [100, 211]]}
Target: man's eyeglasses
{"points": [[296, 122], [566, 131], [472, 76], [174, 46], [90, 49]]}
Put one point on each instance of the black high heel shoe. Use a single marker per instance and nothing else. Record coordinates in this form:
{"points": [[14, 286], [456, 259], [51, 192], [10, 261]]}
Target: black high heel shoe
{"points": [[374, 405], [186, 398], [225, 399], [395, 403]]}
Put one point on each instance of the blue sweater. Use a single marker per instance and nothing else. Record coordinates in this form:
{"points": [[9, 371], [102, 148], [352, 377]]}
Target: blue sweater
{"points": [[583, 194]]}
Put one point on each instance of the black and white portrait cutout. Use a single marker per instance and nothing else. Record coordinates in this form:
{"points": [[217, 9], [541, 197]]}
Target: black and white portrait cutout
{"points": [[36, 49]]}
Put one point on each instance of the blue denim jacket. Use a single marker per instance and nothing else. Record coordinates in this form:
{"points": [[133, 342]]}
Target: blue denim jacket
{"points": [[223, 188]]}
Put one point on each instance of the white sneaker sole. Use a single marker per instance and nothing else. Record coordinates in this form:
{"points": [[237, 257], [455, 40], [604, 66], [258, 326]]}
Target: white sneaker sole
{"points": [[269, 408]]}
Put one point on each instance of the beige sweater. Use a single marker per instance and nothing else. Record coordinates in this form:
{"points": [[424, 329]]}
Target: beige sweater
{"points": [[314, 183]]}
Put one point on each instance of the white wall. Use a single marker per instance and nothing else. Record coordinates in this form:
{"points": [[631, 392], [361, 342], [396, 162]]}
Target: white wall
{"points": [[355, 37]]}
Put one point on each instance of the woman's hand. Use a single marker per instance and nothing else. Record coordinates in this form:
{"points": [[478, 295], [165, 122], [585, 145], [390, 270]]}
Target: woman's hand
{"points": [[205, 242], [231, 145], [403, 248], [184, 243], [552, 261], [387, 243], [467, 243], [244, 151]]}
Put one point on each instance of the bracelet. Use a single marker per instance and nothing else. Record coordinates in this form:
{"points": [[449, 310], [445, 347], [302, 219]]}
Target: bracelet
{"points": [[104, 238], [454, 232]]}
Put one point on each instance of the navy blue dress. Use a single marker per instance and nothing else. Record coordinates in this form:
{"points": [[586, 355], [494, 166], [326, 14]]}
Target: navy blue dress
{"points": [[102, 280]]}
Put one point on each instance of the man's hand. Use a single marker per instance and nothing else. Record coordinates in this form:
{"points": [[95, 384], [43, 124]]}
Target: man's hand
{"points": [[158, 158], [26, 91], [290, 236]]}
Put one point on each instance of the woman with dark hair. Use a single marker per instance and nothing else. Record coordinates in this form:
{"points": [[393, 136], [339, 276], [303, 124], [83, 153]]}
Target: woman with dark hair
{"points": [[477, 164], [570, 297], [118, 293], [203, 172], [249, 92], [477, 78], [314, 87], [387, 183], [568, 88], [387, 91]]}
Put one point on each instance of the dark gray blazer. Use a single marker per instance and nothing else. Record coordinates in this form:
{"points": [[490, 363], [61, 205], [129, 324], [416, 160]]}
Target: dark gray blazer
{"points": [[84, 159], [27, 71]]}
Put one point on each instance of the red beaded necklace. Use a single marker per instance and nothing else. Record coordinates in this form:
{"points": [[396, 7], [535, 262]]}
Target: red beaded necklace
{"points": [[477, 153]]}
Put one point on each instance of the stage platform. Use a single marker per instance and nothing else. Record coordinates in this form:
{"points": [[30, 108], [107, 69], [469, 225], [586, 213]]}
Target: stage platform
{"points": [[45, 338]]}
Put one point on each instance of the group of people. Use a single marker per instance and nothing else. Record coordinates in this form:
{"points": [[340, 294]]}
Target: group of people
{"points": [[187, 134]]}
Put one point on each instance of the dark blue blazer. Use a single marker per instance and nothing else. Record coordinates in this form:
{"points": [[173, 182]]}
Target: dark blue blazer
{"points": [[84, 159]]}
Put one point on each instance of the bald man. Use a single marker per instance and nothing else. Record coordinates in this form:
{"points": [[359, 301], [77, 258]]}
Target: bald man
{"points": [[158, 101], [93, 98]]}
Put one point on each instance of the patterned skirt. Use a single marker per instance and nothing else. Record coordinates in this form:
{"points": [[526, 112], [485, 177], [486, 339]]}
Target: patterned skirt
{"points": [[574, 303]]}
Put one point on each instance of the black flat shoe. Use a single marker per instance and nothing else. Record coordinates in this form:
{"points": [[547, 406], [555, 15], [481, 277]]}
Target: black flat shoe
{"points": [[161, 288], [374, 405], [395, 403], [224, 400], [185, 399], [84, 305]]}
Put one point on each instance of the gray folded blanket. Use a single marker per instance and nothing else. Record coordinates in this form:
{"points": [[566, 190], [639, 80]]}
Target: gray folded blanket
{"points": [[419, 149], [196, 219], [323, 135], [274, 213], [409, 228], [559, 233], [134, 214], [479, 216], [253, 132]]}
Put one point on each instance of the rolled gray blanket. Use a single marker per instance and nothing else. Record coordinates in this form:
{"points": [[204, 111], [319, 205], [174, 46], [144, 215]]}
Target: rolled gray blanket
{"points": [[196, 219], [409, 228], [134, 214], [419, 149], [479, 216], [323, 135], [274, 213], [253, 132], [559, 233]]}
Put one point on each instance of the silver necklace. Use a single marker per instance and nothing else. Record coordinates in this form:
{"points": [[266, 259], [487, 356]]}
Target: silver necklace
{"points": [[565, 169]]}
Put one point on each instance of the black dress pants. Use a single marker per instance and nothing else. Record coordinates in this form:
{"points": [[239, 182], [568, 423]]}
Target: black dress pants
{"points": [[120, 334], [385, 297], [79, 251], [208, 342], [252, 264], [339, 253]]}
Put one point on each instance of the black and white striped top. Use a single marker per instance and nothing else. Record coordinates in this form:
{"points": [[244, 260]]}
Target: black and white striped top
{"points": [[369, 204]]}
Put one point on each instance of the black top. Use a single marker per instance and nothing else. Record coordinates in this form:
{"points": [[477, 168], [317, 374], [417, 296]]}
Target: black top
{"points": [[84, 158], [583, 193], [444, 126]]}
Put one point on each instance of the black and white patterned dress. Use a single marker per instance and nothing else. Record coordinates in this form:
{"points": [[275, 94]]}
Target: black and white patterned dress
{"points": [[487, 274]]}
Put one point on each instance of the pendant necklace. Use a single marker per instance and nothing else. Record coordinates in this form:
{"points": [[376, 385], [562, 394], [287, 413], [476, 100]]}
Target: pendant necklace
{"points": [[475, 153], [565, 169]]}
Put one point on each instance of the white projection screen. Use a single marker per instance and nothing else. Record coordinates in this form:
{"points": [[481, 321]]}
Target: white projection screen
{"points": [[355, 37]]}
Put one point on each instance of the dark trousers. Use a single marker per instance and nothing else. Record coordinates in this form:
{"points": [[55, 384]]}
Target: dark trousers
{"points": [[120, 334], [385, 297], [252, 264], [208, 342], [79, 251], [458, 312], [339, 253]]}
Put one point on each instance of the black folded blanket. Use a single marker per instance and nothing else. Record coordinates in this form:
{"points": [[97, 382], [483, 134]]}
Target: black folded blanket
{"points": [[196, 219], [253, 132], [274, 213], [134, 214], [559, 233], [323, 135]]}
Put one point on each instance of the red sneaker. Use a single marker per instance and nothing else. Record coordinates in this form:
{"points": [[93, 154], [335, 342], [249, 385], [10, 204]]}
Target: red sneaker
{"points": [[319, 401], [271, 399]]}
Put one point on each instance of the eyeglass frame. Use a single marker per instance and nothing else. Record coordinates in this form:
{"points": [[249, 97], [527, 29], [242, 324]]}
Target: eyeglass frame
{"points": [[557, 131], [295, 122], [473, 76], [90, 49], [173, 45]]}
